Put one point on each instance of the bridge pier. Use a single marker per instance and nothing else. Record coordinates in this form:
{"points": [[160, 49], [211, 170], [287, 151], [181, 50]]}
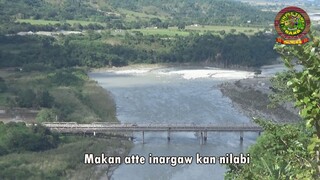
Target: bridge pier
{"points": [[205, 136], [142, 137], [168, 136], [201, 137], [241, 137], [130, 135]]}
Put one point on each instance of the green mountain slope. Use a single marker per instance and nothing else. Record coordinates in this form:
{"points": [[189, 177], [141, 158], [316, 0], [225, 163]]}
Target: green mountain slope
{"points": [[226, 12]]}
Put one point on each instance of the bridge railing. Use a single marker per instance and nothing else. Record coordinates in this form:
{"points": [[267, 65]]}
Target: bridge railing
{"points": [[146, 126]]}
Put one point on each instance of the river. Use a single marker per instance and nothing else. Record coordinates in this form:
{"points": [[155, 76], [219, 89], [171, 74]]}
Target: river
{"points": [[173, 95]]}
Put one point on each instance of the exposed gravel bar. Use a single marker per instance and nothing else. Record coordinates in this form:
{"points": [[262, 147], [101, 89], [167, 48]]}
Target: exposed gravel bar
{"points": [[250, 96]]}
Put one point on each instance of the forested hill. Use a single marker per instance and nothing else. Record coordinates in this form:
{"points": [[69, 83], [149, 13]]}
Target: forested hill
{"points": [[173, 12], [199, 11], [121, 32], [48, 9]]}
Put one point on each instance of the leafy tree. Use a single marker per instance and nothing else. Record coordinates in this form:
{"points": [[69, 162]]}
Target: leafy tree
{"points": [[16, 137], [3, 85], [26, 98], [46, 115], [65, 78], [290, 151], [44, 99], [280, 153], [155, 21], [282, 93], [305, 86], [181, 25]]}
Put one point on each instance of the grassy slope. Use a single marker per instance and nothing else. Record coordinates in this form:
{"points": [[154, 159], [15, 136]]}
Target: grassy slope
{"points": [[135, 16], [65, 162], [172, 31], [95, 104], [226, 28], [47, 22]]}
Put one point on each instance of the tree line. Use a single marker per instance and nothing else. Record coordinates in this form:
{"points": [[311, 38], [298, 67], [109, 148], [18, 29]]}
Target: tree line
{"points": [[90, 50], [162, 14], [18, 138]]}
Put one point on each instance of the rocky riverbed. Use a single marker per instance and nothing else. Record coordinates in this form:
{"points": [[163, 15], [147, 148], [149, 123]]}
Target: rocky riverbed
{"points": [[251, 96]]}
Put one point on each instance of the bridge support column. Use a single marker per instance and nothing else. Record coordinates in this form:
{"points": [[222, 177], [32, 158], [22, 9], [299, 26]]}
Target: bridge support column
{"points": [[131, 136], [205, 136], [201, 137], [168, 137], [142, 137], [241, 136], [94, 133], [259, 133]]}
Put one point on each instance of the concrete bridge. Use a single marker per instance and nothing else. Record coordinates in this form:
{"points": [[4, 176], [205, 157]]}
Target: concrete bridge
{"points": [[127, 128]]}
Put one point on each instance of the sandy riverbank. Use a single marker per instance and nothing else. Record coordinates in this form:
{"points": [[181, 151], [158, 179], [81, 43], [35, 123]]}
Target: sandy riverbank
{"points": [[250, 96], [170, 65]]}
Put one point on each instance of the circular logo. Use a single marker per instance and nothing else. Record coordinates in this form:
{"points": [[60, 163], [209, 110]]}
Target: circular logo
{"points": [[292, 23]]}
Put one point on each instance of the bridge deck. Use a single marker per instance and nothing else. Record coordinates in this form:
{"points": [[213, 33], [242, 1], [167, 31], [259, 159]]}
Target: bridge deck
{"points": [[109, 127]]}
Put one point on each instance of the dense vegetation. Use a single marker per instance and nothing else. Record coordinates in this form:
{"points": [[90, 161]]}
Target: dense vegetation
{"points": [[64, 95], [290, 151], [34, 152], [16, 137], [128, 14], [201, 12], [51, 10], [39, 53], [63, 162]]}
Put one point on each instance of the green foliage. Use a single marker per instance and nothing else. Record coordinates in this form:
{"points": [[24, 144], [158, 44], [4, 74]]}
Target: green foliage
{"points": [[181, 25], [305, 86], [44, 99], [36, 67], [27, 98], [50, 10], [16, 137], [47, 115], [44, 53], [64, 162], [290, 151], [75, 99], [279, 153], [3, 85], [201, 12], [282, 93], [233, 31], [66, 78], [115, 14]]}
